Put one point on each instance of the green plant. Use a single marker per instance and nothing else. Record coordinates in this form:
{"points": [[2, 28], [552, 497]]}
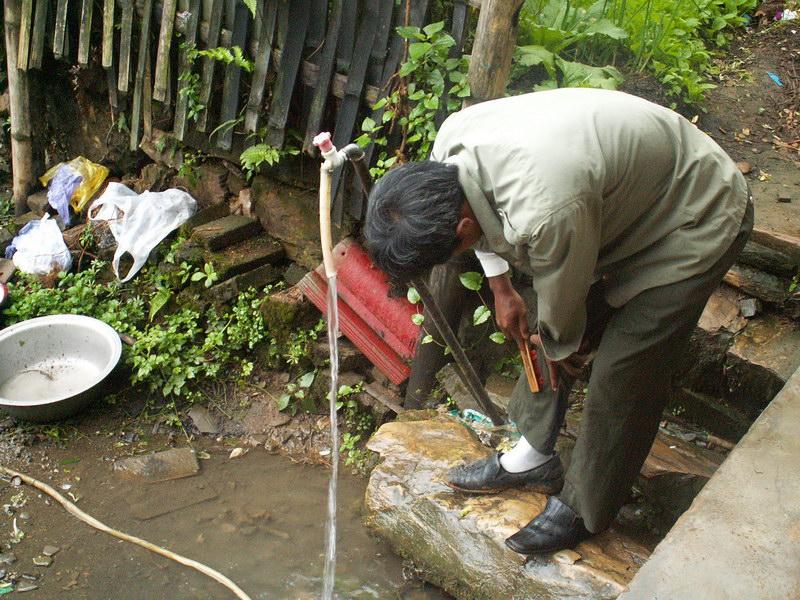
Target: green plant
{"points": [[254, 157], [296, 395], [298, 347], [208, 275], [355, 457], [429, 83], [471, 280], [192, 84]]}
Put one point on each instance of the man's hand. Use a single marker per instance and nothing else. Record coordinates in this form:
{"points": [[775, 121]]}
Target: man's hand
{"points": [[510, 312], [574, 365]]}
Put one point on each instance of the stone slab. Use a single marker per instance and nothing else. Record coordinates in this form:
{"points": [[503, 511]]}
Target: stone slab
{"points": [[226, 231], [741, 536], [458, 540], [245, 256], [175, 463], [257, 278]]}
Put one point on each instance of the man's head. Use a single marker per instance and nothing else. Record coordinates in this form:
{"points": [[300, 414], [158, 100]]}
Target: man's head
{"points": [[418, 217]]}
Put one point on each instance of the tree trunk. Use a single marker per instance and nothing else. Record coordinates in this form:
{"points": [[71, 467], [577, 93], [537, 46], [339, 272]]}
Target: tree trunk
{"points": [[19, 108], [493, 49]]}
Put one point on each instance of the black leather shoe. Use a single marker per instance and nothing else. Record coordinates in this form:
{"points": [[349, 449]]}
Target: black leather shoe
{"points": [[556, 528], [487, 476]]}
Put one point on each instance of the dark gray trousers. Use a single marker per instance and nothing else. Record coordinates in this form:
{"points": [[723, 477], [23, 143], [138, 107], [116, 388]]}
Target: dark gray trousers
{"points": [[629, 387]]}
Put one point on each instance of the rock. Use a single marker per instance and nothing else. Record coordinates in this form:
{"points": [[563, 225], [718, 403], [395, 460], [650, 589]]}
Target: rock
{"points": [[262, 416], [225, 231], [293, 274], [289, 214], [51, 550], [749, 307], [42, 561], [760, 361], [104, 246], [23, 219], [784, 197], [26, 586], [38, 202], [203, 216], [257, 278], [168, 155], [381, 401], [744, 167], [236, 181], [350, 357], [768, 259], [205, 422], [722, 312], [5, 239], [237, 453], [160, 466], [410, 507], [285, 311], [455, 388], [245, 256], [8, 558], [566, 557], [757, 283], [4, 102], [206, 184], [242, 204], [154, 177], [7, 268]]}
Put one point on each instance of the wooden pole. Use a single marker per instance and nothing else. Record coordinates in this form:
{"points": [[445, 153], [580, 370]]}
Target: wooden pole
{"points": [[493, 49], [19, 109]]}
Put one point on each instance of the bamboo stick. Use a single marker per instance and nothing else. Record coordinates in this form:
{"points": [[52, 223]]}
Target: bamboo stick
{"points": [[214, 26], [143, 59], [39, 31], [85, 33], [19, 110], [24, 46], [126, 31], [162, 54], [182, 100], [108, 33], [60, 30]]}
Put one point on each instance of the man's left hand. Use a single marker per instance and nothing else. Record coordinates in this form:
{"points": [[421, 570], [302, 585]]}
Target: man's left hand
{"points": [[574, 365]]}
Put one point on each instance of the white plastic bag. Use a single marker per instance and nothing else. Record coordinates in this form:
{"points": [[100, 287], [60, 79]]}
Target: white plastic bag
{"points": [[140, 221], [40, 248]]}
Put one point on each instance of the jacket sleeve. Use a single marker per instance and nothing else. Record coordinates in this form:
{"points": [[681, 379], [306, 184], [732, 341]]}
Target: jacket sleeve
{"points": [[563, 253]]}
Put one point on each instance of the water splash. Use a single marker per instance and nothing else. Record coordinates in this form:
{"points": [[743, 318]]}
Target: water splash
{"points": [[330, 527]]}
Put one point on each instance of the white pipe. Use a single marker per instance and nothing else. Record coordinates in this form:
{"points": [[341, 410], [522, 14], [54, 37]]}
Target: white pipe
{"points": [[333, 159]]}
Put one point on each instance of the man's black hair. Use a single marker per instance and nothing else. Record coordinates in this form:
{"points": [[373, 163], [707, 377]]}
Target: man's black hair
{"points": [[411, 220]]}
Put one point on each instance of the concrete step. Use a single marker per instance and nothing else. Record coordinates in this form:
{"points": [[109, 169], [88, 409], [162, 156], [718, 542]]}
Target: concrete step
{"points": [[245, 256], [226, 231], [739, 539]]}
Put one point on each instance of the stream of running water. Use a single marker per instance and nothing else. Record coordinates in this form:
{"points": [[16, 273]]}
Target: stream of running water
{"points": [[330, 527]]}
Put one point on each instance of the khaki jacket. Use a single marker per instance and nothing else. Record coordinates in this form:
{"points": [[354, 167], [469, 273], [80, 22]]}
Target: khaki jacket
{"points": [[574, 185]]}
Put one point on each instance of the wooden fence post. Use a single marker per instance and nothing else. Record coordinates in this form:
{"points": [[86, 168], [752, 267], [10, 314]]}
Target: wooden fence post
{"points": [[19, 109], [493, 49]]}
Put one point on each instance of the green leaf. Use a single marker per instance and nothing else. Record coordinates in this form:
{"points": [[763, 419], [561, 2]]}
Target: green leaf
{"points": [[576, 74], [283, 401], [413, 295], [431, 103], [417, 318], [427, 339], [418, 49], [604, 27], [368, 124], [306, 380], [481, 315], [472, 280], [409, 33], [197, 276], [159, 299], [433, 28], [344, 390], [407, 68], [498, 338]]}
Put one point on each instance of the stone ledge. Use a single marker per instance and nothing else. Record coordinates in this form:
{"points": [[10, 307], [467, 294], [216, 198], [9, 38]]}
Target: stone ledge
{"points": [[458, 540]]}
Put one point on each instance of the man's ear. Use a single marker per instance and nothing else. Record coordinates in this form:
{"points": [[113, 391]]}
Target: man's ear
{"points": [[467, 232]]}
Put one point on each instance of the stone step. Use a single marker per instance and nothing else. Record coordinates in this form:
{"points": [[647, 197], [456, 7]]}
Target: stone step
{"points": [[739, 538], [245, 256], [226, 231], [457, 541], [255, 278], [203, 216]]}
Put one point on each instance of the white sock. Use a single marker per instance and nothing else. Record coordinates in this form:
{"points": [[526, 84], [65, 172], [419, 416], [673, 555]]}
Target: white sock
{"points": [[523, 457]]}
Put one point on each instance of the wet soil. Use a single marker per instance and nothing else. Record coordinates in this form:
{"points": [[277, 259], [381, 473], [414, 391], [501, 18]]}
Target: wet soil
{"points": [[259, 519]]}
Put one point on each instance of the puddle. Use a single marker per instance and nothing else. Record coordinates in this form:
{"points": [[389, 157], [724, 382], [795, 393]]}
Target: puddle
{"points": [[259, 519]]}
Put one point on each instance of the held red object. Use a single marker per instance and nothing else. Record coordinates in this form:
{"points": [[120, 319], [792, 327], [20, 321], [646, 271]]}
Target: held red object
{"points": [[378, 325]]}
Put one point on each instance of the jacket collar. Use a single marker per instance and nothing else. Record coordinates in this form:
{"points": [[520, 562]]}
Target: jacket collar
{"points": [[485, 212]]}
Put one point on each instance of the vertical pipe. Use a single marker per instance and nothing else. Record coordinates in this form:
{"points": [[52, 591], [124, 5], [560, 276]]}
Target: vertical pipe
{"points": [[19, 109]]}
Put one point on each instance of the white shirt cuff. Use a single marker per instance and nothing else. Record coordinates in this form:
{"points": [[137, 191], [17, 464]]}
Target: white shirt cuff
{"points": [[493, 265]]}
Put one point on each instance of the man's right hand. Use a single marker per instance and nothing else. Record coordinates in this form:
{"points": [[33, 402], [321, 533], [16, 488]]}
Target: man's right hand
{"points": [[510, 311]]}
